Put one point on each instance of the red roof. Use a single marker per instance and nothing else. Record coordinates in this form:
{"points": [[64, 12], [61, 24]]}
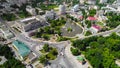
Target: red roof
{"points": [[81, 17], [92, 18], [96, 27]]}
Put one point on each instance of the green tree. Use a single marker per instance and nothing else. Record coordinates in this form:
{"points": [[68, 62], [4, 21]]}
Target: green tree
{"points": [[46, 36], [50, 56], [101, 40], [11, 61], [108, 58], [92, 12], [75, 51], [46, 48], [94, 45], [43, 60], [54, 51]]}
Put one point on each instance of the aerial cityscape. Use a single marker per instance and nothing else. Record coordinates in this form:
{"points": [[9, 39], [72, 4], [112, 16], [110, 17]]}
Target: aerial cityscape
{"points": [[59, 33]]}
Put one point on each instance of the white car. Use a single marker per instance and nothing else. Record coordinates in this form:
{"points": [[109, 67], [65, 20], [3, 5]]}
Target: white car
{"points": [[61, 53]]}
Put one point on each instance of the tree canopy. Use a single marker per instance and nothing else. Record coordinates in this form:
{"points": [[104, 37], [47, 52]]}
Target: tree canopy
{"points": [[100, 51], [11, 61]]}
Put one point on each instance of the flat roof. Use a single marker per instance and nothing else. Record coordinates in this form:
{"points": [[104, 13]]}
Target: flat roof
{"points": [[30, 20], [22, 48]]}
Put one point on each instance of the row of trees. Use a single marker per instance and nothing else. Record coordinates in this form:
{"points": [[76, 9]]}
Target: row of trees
{"points": [[11, 61], [100, 51]]}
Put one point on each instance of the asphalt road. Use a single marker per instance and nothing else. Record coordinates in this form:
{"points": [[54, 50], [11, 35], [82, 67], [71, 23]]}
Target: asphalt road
{"points": [[117, 29]]}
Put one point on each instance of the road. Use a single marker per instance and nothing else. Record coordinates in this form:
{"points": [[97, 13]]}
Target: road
{"points": [[117, 29]]}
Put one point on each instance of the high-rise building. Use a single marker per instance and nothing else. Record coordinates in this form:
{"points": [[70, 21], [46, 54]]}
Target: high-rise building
{"points": [[62, 9], [75, 8], [31, 10]]}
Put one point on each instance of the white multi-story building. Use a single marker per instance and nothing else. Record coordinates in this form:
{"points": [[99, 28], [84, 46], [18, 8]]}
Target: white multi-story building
{"points": [[50, 14], [75, 8], [118, 8], [118, 1], [91, 1], [103, 1], [31, 10], [77, 15], [62, 9], [102, 18]]}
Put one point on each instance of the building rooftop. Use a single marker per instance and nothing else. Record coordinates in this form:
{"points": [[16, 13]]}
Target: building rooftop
{"points": [[30, 20], [96, 27], [22, 48], [92, 18], [81, 17], [27, 20]]}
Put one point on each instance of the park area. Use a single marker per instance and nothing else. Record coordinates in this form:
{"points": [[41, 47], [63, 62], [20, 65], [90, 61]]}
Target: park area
{"points": [[101, 52]]}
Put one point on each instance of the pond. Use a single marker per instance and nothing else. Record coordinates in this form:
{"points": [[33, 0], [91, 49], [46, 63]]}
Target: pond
{"points": [[75, 29]]}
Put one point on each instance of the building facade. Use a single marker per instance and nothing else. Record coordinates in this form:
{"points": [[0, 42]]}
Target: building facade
{"points": [[31, 10], [62, 9], [103, 1]]}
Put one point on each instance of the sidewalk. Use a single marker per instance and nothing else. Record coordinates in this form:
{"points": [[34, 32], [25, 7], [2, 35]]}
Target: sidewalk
{"points": [[73, 59]]}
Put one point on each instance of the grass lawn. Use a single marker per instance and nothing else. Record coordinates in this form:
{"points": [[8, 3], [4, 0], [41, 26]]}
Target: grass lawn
{"points": [[50, 56], [42, 51], [100, 23]]}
